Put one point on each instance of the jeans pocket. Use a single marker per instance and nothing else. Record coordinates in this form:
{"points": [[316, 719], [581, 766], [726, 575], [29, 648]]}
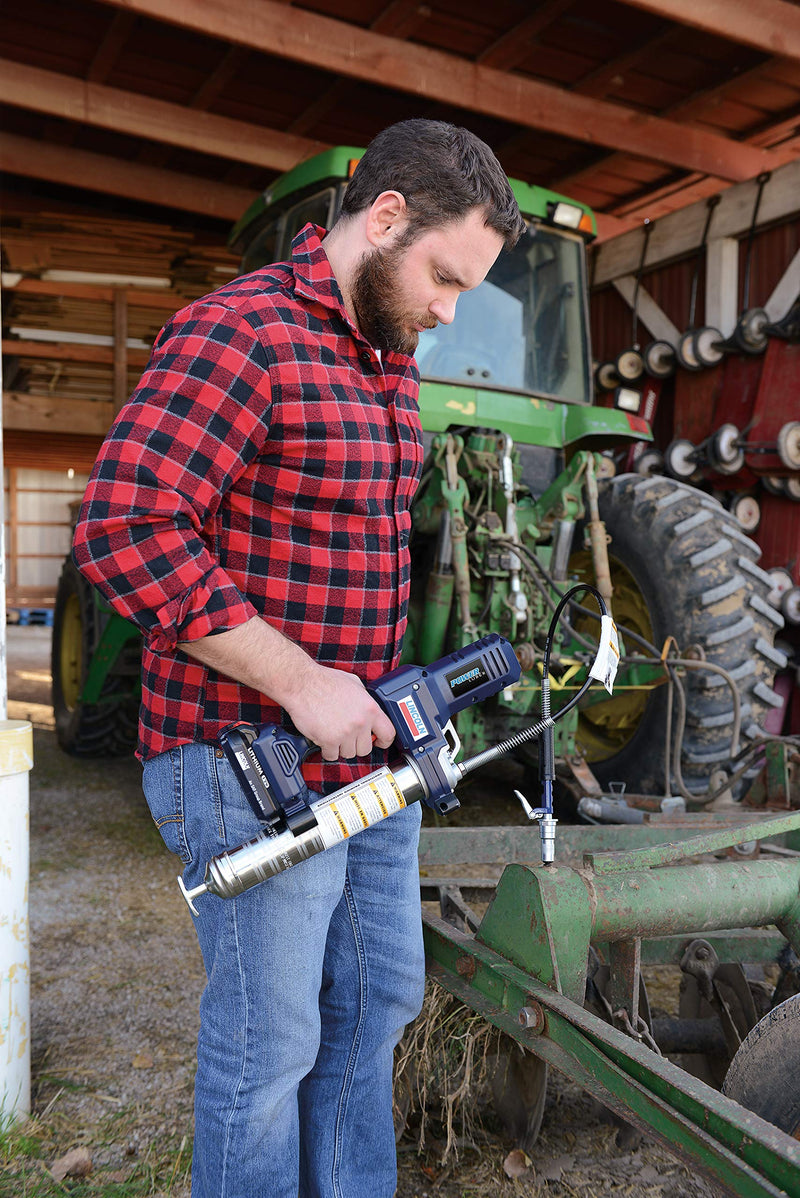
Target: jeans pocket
{"points": [[162, 782]]}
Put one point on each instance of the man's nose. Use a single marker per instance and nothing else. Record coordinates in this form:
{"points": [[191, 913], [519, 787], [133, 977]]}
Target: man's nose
{"points": [[443, 309]]}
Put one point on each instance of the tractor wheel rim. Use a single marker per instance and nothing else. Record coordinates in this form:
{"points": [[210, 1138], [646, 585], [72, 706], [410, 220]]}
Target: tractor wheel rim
{"points": [[605, 728], [70, 652]]}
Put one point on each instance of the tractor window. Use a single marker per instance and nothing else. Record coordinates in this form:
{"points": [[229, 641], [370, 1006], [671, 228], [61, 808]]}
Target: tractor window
{"points": [[317, 209], [524, 328], [273, 243]]}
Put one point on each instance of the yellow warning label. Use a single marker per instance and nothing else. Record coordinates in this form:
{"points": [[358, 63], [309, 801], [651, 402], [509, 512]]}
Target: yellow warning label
{"points": [[398, 792], [339, 820], [378, 799], [362, 813]]}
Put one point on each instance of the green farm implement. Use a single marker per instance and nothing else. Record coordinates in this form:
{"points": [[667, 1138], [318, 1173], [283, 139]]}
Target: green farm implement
{"points": [[558, 961]]}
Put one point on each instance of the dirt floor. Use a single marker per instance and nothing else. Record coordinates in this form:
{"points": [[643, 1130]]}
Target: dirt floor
{"points": [[116, 980]]}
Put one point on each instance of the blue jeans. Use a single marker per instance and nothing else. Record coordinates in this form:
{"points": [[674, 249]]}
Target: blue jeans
{"points": [[311, 978]]}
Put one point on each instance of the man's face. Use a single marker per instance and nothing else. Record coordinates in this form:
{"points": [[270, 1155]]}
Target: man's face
{"points": [[399, 290]]}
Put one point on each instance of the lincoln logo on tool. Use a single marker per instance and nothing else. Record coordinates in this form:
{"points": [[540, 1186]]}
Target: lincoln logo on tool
{"points": [[413, 719]]}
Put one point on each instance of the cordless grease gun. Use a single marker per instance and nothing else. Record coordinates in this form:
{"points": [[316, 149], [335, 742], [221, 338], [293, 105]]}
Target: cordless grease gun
{"points": [[420, 702]]}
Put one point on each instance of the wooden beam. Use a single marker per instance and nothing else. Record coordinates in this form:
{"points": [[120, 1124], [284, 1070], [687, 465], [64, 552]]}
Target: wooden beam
{"points": [[345, 49], [770, 25], [110, 46], [679, 233], [142, 116], [399, 20], [786, 290], [113, 176], [654, 319], [514, 46], [120, 347], [696, 108], [13, 521], [63, 351], [56, 414], [164, 301]]}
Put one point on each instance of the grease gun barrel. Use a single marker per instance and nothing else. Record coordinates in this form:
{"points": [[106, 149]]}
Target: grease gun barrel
{"points": [[339, 816]]}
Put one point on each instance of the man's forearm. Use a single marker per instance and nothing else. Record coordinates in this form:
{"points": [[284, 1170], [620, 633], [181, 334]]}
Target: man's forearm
{"points": [[330, 707], [257, 655]]}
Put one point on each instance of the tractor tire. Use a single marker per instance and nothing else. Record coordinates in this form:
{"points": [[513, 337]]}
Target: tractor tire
{"points": [[682, 567], [763, 1076], [107, 728]]}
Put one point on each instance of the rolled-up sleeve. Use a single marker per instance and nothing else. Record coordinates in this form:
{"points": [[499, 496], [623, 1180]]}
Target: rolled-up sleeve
{"points": [[145, 533]]}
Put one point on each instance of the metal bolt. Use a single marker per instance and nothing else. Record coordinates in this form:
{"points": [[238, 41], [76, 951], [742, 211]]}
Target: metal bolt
{"points": [[531, 1017]]}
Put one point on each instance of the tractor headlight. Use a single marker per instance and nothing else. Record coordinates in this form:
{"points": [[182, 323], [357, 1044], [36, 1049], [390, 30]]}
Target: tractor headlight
{"points": [[569, 215], [627, 399]]}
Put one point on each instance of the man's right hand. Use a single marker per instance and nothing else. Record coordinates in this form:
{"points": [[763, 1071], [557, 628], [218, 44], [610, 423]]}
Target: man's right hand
{"points": [[334, 710]]}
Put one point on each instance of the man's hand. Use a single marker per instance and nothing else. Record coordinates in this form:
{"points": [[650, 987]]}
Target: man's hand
{"points": [[329, 707], [335, 711]]}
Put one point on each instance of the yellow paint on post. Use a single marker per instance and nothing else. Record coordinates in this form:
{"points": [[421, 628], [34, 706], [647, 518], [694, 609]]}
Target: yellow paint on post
{"points": [[16, 747]]}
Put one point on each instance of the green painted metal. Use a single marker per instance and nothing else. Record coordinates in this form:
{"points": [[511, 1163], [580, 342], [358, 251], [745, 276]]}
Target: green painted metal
{"points": [[581, 422], [773, 786], [563, 499], [541, 920], [115, 636], [441, 848], [530, 954], [330, 166], [526, 418], [705, 842], [432, 637], [755, 946], [750, 1157], [544, 918]]}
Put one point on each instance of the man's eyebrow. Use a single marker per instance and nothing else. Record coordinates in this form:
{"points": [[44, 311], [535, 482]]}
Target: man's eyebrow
{"points": [[450, 276]]}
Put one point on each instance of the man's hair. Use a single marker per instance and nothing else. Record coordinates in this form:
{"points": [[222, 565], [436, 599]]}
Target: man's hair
{"points": [[442, 170]]}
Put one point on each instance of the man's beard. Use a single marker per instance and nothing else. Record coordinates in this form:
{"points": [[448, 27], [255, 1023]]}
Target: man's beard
{"points": [[379, 315]]}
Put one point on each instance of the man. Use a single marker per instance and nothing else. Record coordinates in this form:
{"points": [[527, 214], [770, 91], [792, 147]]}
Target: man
{"points": [[249, 511]]}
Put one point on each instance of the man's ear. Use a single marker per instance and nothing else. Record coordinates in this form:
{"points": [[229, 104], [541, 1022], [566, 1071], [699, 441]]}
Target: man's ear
{"points": [[386, 217]]}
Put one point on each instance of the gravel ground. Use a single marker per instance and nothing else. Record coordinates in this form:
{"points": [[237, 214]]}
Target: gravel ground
{"points": [[116, 980]]}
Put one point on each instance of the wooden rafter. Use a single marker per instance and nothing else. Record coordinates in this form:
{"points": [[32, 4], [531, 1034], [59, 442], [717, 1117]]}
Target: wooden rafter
{"points": [[344, 49], [771, 25], [510, 49], [399, 19], [157, 120], [110, 46], [99, 172], [695, 185]]}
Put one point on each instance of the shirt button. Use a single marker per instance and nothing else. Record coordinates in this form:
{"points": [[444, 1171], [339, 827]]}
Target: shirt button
{"points": [[366, 356]]}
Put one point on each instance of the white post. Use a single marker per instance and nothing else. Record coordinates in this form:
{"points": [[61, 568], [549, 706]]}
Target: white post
{"points": [[722, 284], [16, 760]]}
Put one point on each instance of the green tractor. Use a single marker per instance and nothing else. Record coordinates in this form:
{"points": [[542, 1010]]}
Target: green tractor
{"points": [[521, 497]]}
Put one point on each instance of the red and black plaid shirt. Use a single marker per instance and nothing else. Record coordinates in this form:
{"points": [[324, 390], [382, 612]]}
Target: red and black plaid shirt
{"points": [[264, 465]]}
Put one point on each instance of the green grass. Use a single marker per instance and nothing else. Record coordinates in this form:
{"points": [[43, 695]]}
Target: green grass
{"points": [[29, 1147]]}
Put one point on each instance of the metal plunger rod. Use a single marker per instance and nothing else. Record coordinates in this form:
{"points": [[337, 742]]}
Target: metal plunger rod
{"points": [[505, 746]]}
